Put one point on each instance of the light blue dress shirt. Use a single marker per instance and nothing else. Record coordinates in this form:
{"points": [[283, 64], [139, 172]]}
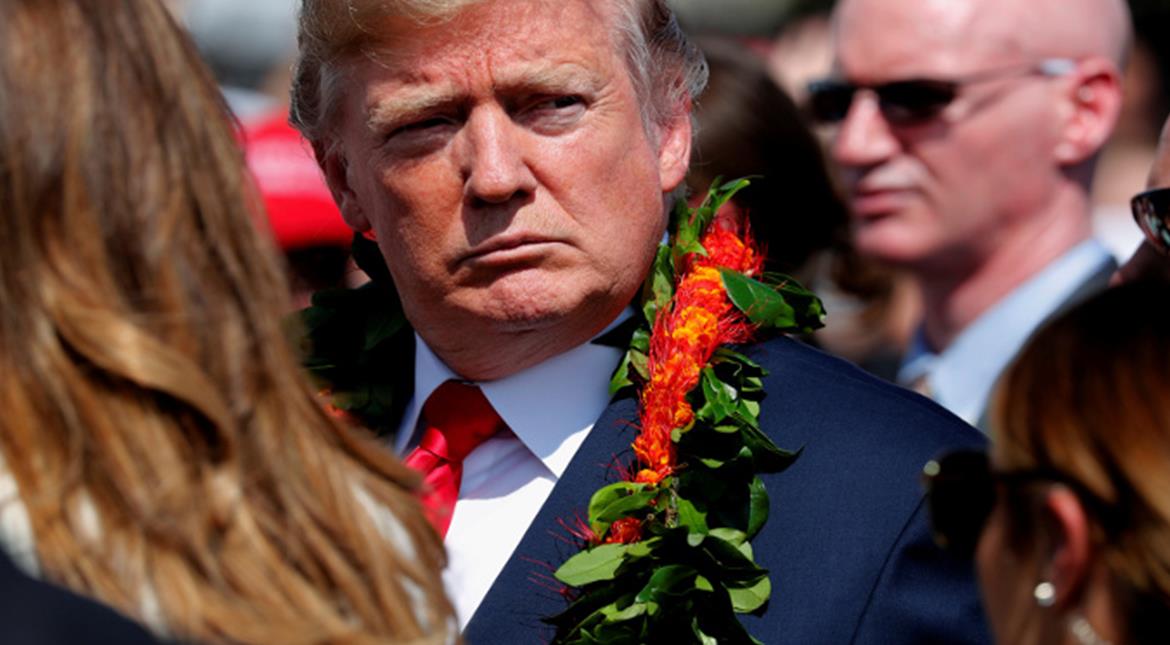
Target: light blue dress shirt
{"points": [[961, 377]]}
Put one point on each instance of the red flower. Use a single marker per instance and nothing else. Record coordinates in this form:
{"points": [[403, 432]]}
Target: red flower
{"points": [[625, 531]]}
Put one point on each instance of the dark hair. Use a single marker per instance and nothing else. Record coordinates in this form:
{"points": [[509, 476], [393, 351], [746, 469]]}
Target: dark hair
{"points": [[748, 125]]}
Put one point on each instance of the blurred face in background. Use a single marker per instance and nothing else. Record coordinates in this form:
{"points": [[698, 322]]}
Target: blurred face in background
{"points": [[1147, 261], [940, 192]]}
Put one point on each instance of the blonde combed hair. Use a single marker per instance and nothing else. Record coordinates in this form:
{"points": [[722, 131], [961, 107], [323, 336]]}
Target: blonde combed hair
{"points": [[667, 70], [173, 459]]}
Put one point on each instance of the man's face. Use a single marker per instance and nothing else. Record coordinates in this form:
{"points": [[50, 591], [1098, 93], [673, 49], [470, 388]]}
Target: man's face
{"points": [[501, 161], [942, 193]]}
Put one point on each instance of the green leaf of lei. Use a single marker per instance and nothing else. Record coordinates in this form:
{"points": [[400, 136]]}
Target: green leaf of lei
{"points": [[600, 563]]}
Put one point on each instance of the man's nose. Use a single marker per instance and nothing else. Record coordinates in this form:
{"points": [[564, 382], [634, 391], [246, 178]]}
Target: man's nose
{"points": [[495, 166], [864, 137]]}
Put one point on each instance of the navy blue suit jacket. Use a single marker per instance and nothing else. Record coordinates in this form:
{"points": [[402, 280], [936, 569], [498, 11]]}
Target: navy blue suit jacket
{"points": [[847, 542]]}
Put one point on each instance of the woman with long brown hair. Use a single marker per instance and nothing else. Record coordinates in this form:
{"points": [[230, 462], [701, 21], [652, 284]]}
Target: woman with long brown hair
{"points": [[162, 450], [1069, 520]]}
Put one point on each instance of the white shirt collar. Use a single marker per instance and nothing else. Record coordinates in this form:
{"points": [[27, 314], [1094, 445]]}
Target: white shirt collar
{"points": [[961, 377], [549, 407]]}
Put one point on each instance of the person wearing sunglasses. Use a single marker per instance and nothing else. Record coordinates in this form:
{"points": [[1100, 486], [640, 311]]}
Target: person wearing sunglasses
{"points": [[1151, 211], [1069, 518], [966, 133]]}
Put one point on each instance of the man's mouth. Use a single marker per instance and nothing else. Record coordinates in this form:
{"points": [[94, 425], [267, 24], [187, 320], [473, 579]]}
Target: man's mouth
{"points": [[879, 201], [508, 249]]}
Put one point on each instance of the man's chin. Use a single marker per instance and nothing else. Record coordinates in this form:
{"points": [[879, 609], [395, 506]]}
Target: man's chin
{"points": [[889, 243]]}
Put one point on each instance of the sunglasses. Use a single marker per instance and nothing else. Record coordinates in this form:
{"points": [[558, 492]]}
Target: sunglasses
{"points": [[1151, 211], [961, 490], [913, 101]]}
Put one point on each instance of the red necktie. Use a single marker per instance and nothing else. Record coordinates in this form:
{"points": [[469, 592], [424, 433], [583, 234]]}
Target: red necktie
{"points": [[457, 418]]}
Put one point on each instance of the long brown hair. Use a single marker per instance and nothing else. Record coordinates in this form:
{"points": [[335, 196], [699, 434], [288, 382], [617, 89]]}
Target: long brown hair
{"points": [[173, 459], [1090, 398]]}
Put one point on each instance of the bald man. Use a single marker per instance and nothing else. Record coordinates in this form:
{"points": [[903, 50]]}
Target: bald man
{"points": [[967, 131]]}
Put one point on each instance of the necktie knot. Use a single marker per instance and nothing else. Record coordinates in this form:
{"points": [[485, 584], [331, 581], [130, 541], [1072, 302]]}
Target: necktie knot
{"points": [[457, 418], [461, 419]]}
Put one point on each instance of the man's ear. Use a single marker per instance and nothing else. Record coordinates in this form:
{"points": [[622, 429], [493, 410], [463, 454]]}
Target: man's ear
{"points": [[335, 166], [674, 149], [1065, 545], [1092, 104]]}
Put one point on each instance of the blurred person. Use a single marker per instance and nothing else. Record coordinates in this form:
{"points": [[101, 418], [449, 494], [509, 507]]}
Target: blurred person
{"points": [[748, 126], [515, 162], [802, 51], [967, 132], [1125, 160], [1070, 518], [300, 210], [248, 46], [161, 451], [1151, 210]]}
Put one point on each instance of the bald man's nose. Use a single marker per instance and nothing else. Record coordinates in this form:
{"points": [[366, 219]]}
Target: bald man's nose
{"points": [[863, 138]]}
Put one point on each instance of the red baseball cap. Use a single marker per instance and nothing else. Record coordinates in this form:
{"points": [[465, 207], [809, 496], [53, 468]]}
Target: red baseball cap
{"points": [[301, 211]]}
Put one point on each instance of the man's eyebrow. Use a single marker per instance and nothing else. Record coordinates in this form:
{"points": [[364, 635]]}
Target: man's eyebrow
{"points": [[406, 103], [554, 78]]}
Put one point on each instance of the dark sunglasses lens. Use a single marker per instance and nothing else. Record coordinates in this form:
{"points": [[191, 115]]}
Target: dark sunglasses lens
{"points": [[907, 102], [960, 494], [829, 101], [1151, 211]]}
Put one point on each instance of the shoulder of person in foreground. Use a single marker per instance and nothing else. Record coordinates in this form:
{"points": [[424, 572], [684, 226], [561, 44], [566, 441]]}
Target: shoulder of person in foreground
{"points": [[32, 611], [848, 526]]}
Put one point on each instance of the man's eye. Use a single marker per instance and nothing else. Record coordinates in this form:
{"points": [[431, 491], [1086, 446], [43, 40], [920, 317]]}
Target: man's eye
{"points": [[422, 125], [553, 114], [558, 102]]}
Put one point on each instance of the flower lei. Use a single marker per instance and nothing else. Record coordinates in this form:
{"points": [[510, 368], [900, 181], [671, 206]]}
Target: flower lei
{"points": [[668, 556]]}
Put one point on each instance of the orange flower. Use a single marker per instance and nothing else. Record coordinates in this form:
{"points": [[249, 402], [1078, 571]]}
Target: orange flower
{"points": [[686, 334]]}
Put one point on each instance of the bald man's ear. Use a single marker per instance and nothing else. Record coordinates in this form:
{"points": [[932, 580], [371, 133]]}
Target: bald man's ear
{"points": [[674, 150], [1090, 109], [336, 168]]}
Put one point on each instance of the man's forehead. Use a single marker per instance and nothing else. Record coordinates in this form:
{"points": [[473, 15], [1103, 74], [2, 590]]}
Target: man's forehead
{"points": [[912, 37], [505, 44]]}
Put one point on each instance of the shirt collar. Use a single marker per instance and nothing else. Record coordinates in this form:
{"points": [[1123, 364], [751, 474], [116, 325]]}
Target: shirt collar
{"points": [[961, 377], [549, 406]]}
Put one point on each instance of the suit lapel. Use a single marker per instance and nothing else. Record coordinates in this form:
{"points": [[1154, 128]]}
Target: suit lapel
{"points": [[525, 591]]}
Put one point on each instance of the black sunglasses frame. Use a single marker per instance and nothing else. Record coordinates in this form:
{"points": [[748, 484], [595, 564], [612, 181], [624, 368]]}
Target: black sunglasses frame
{"points": [[915, 100], [903, 102], [1151, 211], [961, 490]]}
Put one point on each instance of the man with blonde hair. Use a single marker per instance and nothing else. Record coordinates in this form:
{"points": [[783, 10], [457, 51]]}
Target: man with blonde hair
{"points": [[968, 131], [515, 161]]}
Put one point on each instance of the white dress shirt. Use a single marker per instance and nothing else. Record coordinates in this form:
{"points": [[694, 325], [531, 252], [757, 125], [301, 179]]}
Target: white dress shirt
{"points": [[962, 376], [550, 409]]}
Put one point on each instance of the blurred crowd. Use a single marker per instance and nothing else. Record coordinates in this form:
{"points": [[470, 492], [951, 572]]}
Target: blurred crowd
{"points": [[963, 206]]}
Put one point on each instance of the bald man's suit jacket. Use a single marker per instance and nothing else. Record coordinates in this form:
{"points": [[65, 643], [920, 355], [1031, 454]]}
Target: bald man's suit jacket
{"points": [[847, 542]]}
